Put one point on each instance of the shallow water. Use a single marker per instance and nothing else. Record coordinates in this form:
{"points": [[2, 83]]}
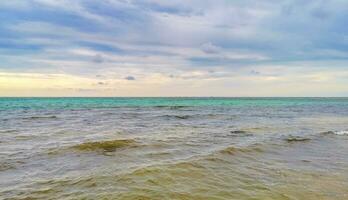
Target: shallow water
{"points": [[173, 148]]}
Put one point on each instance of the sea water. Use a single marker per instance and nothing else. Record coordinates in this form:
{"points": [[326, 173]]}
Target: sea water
{"points": [[174, 148]]}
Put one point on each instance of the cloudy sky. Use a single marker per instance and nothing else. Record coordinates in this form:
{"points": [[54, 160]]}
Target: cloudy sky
{"points": [[174, 48]]}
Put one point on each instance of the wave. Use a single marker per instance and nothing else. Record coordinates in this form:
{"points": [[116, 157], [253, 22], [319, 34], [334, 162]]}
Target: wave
{"points": [[178, 116], [5, 166], [198, 116], [345, 132], [292, 138], [235, 150], [341, 132], [41, 117], [9, 131], [106, 146], [172, 107], [240, 133]]}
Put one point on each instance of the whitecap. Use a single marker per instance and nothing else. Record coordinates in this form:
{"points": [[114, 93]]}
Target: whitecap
{"points": [[337, 132], [341, 132]]}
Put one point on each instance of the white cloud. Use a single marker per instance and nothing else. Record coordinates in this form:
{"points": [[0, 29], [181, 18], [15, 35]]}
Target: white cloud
{"points": [[210, 48]]}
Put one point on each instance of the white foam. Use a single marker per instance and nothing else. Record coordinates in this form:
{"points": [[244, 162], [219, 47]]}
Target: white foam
{"points": [[340, 132]]}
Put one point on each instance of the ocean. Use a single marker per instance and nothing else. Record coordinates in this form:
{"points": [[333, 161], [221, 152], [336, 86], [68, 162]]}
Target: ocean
{"points": [[174, 148]]}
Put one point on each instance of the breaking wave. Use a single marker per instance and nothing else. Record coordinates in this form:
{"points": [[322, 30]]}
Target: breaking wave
{"points": [[345, 132]]}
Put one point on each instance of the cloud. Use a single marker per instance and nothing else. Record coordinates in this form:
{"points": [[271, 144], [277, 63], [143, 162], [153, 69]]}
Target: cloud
{"points": [[130, 78], [253, 72], [98, 58], [102, 83], [210, 48], [175, 40]]}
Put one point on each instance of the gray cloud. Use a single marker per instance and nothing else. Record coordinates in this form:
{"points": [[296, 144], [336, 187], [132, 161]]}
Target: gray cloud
{"points": [[130, 78], [98, 58], [102, 83], [254, 72], [210, 48]]}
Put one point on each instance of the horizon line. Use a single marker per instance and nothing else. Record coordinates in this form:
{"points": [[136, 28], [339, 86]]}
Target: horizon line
{"points": [[173, 96]]}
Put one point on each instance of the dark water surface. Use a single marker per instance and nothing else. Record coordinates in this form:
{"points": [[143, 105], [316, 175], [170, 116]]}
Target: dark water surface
{"points": [[174, 148]]}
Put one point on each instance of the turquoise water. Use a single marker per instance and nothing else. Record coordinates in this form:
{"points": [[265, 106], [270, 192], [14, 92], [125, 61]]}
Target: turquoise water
{"points": [[173, 148], [78, 103]]}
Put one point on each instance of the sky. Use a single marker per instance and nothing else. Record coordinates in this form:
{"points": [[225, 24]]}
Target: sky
{"points": [[173, 48]]}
